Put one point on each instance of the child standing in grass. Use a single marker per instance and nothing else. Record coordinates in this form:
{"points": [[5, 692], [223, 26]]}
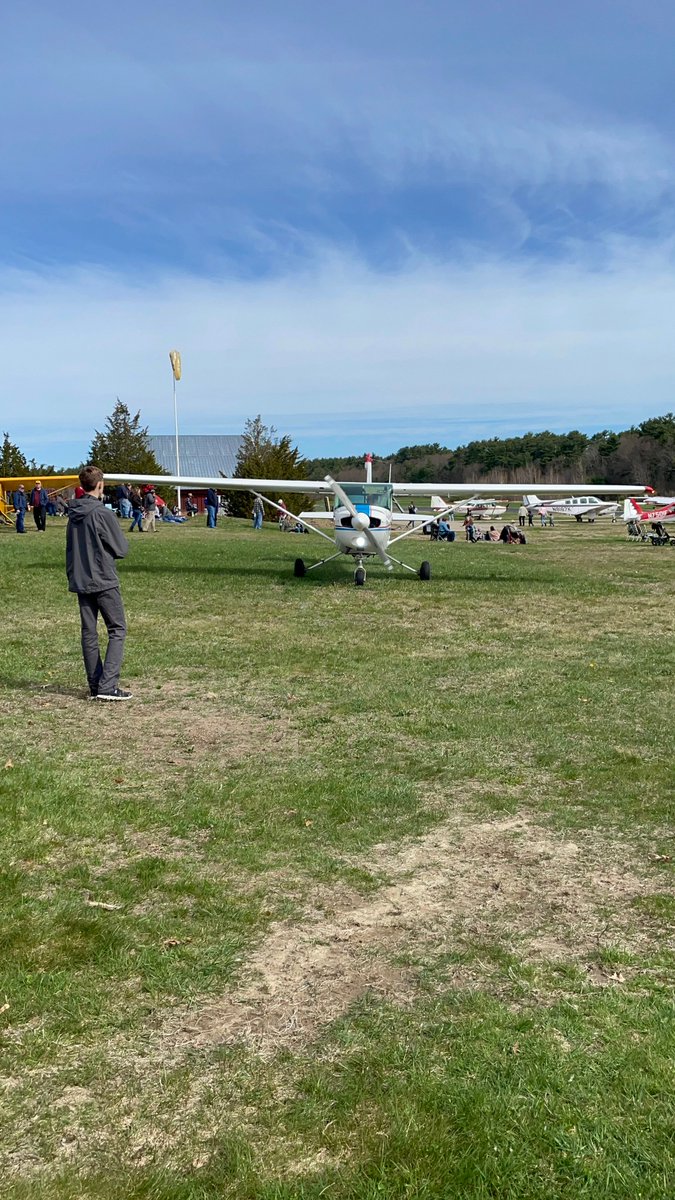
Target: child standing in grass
{"points": [[93, 542]]}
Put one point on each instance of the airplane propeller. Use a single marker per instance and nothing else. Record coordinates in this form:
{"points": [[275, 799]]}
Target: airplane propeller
{"points": [[360, 521]]}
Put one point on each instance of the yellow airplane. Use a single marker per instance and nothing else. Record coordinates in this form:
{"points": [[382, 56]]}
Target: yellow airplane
{"points": [[9, 484]]}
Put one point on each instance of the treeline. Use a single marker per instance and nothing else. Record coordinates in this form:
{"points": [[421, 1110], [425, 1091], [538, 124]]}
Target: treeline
{"points": [[643, 454]]}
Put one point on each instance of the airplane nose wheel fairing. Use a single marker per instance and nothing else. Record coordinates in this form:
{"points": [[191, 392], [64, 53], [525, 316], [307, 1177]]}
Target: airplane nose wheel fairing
{"points": [[360, 576]]}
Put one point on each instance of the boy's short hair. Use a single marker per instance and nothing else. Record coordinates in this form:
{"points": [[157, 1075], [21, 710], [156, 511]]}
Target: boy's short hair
{"points": [[90, 476]]}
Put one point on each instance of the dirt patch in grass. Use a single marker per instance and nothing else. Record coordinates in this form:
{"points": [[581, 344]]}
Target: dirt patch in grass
{"points": [[161, 736], [506, 882]]}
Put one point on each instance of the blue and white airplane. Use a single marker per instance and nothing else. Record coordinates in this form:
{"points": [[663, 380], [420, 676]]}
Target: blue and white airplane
{"points": [[363, 517]]}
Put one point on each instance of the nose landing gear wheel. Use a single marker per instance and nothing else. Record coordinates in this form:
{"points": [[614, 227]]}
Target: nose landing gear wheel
{"points": [[299, 568], [359, 577], [425, 570]]}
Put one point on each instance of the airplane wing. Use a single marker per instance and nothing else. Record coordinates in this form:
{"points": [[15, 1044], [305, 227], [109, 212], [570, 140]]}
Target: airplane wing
{"points": [[319, 487], [477, 490], [225, 484]]}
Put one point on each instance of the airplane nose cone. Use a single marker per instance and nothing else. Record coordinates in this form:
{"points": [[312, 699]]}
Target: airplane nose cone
{"points": [[360, 521]]}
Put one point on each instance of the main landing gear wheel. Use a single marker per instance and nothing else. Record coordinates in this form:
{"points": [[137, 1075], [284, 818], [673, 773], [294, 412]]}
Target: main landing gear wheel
{"points": [[359, 577], [425, 570], [299, 568]]}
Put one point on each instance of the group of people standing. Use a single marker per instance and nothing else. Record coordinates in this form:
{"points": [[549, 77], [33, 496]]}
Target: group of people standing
{"points": [[143, 506], [526, 517], [37, 500]]}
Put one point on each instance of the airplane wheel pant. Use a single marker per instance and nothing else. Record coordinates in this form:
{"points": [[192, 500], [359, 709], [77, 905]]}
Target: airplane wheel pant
{"points": [[104, 676]]}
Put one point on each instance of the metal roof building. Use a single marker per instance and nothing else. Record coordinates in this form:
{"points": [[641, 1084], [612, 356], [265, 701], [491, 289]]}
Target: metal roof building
{"points": [[201, 455]]}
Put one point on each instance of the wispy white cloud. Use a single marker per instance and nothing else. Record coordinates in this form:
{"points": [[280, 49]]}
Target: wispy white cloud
{"points": [[339, 352], [379, 220], [150, 118]]}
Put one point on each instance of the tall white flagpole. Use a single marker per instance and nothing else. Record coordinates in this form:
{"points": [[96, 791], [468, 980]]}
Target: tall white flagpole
{"points": [[174, 356]]}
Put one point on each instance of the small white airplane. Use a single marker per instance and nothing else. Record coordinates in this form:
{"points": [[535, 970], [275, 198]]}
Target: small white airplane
{"points": [[572, 506], [477, 507], [363, 516]]}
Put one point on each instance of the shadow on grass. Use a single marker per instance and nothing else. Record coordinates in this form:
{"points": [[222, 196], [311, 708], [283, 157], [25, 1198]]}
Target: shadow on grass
{"points": [[42, 689], [327, 575]]}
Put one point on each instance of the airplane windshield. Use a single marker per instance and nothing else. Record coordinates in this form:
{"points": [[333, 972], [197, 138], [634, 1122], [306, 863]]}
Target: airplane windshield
{"points": [[368, 493]]}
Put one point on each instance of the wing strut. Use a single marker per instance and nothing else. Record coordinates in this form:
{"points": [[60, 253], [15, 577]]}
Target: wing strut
{"points": [[436, 517], [306, 524]]}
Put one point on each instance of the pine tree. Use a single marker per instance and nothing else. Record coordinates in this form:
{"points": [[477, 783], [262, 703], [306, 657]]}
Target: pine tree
{"points": [[12, 461], [123, 448], [263, 455]]}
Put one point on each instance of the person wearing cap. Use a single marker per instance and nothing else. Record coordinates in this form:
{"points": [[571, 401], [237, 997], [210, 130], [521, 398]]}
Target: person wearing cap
{"points": [[39, 499], [20, 503], [150, 510]]}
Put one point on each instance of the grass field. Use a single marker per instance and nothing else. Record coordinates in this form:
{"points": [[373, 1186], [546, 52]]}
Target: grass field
{"points": [[369, 892]]}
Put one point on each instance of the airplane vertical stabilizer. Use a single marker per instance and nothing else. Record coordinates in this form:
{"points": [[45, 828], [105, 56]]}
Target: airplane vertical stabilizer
{"points": [[631, 510], [532, 501]]}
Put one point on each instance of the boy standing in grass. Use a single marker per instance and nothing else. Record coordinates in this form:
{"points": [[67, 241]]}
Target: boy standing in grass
{"points": [[93, 542]]}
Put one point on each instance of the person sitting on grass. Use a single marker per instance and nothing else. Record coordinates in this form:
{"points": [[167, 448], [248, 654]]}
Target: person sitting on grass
{"points": [[445, 533], [173, 518], [492, 535], [512, 536]]}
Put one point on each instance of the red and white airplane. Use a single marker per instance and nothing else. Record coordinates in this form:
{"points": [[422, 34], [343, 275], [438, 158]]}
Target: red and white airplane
{"points": [[633, 512]]}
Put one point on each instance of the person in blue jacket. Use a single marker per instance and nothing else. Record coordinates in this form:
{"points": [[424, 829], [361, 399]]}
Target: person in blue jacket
{"points": [[20, 502], [211, 508]]}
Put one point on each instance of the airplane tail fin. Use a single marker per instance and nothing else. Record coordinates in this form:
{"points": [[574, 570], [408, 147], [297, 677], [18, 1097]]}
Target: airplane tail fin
{"points": [[631, 510], [531, 501]]}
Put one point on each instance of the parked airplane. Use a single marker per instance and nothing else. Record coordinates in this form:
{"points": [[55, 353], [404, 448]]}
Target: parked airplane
{"points": [[573, 506], [363, 518], [633, 512], [487, 508]]}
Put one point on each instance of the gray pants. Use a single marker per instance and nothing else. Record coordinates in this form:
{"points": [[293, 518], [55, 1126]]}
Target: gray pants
{"points": [[103, 677]]}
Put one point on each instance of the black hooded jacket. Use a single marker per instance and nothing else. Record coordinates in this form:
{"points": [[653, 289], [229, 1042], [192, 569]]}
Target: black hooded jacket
{"points": [[93, 542]]}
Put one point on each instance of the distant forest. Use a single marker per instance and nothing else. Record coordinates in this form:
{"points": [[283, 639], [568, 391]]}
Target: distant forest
{"points": [[643, 454]]}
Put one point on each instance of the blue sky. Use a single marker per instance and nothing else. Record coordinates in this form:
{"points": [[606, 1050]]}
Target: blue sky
{"points": [[374, 223]]}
